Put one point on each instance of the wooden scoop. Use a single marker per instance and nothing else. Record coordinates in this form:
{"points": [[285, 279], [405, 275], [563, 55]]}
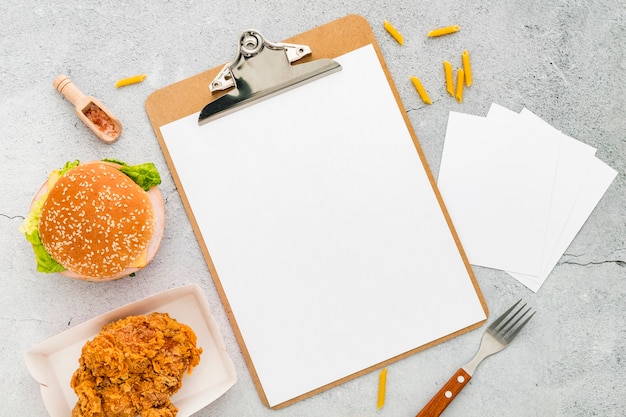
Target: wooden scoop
{"points": [[107, 127]]}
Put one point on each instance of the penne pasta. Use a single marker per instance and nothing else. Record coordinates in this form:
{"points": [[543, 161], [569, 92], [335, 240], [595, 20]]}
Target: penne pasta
{"points": [[467, 69], [421, 90], [130, 80], [382, 387], [460, 81], [394, 32], [444, 31], [447, 68]]}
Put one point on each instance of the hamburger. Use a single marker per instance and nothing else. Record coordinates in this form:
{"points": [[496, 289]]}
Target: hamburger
{"points": [[96, 221]]}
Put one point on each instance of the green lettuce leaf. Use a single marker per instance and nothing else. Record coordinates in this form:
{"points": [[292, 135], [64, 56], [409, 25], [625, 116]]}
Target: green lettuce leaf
{"points": [[145, 175], [30, 228], [45, 262], [68, 166]]}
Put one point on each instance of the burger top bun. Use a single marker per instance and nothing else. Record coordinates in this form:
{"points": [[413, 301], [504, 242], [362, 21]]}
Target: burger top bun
{"points": [[96, 222]]}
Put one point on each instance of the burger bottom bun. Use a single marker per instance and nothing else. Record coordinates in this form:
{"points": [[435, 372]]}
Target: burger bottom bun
{"points": [[153, 246]]}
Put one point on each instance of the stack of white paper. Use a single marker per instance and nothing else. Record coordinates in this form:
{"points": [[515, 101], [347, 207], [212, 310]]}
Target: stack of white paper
{"points": [[518, 190]]}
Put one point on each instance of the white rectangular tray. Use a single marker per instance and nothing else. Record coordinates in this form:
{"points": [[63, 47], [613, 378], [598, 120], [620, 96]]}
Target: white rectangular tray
{"points": [[53, 361]]}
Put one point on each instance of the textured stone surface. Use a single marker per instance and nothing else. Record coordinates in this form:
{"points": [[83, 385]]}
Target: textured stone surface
{"points": [[565, 61]]}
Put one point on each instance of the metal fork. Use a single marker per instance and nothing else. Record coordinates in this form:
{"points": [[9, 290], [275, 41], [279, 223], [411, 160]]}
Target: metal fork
{"points": [[497, 336]]}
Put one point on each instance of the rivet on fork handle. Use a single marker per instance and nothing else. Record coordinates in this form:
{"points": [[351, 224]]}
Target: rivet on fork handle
{"points": [[446, 394]]}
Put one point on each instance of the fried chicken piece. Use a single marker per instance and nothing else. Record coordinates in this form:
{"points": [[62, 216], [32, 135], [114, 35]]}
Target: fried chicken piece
{"points": [[133, 366]]}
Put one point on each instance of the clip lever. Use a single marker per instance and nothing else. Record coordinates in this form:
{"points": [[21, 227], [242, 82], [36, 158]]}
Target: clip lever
{"points": [[260, 70]]}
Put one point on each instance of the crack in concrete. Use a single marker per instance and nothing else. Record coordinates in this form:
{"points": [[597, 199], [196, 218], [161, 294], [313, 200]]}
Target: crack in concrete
{"points": [[592, 263], [25, 320], [11, 217]]}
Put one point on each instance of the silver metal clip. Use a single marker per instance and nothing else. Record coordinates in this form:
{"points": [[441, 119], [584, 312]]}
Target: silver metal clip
{"points": [[260, 70]]}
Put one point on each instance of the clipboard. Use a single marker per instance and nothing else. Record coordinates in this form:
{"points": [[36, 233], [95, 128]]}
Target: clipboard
{"points": [[189, 96]]}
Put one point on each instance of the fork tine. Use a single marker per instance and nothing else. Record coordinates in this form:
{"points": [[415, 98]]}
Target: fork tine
{"points": [[509, 337], [504, 315], [513, 324], [509, 323]]}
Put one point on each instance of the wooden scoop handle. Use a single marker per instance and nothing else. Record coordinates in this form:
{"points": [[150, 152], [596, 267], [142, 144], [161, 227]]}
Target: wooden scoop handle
{"points": [[66, 87]]}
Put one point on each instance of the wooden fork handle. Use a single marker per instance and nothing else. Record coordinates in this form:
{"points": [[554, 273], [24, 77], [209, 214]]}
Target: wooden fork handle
{"points": [[446, 394]]}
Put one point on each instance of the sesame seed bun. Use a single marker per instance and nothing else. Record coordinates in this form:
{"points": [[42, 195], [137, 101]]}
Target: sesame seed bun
{"points": [[96, 222]]}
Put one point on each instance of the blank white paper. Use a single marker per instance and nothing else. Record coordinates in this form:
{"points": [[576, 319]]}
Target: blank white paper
{"points": [[582, 179], [496, 181], [597, 181], [573, 168], [324, 229], [518, 190]]}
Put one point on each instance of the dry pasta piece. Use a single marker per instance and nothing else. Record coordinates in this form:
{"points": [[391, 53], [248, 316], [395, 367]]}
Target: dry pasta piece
{"points": [[130, 80], [447, 68], [394, 32], [460, 80], [444, 31], [467, 68], [421, 90], [382, 388]]}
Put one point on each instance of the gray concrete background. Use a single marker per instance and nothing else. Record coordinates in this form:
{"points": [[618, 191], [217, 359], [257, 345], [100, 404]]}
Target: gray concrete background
{"points": [[564, 60]]}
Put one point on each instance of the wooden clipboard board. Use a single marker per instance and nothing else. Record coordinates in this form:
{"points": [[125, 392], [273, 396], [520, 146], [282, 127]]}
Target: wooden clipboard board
{"points": [[192, 94]]}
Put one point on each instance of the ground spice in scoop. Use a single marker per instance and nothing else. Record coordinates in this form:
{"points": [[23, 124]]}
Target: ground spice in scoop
{"points": [[102, 120]]}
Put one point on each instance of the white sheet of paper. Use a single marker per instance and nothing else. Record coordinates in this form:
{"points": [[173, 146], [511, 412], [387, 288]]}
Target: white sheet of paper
{"points": [[496, 180], [574, 163], [324, 229], [579, 181], [598, 178]]}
